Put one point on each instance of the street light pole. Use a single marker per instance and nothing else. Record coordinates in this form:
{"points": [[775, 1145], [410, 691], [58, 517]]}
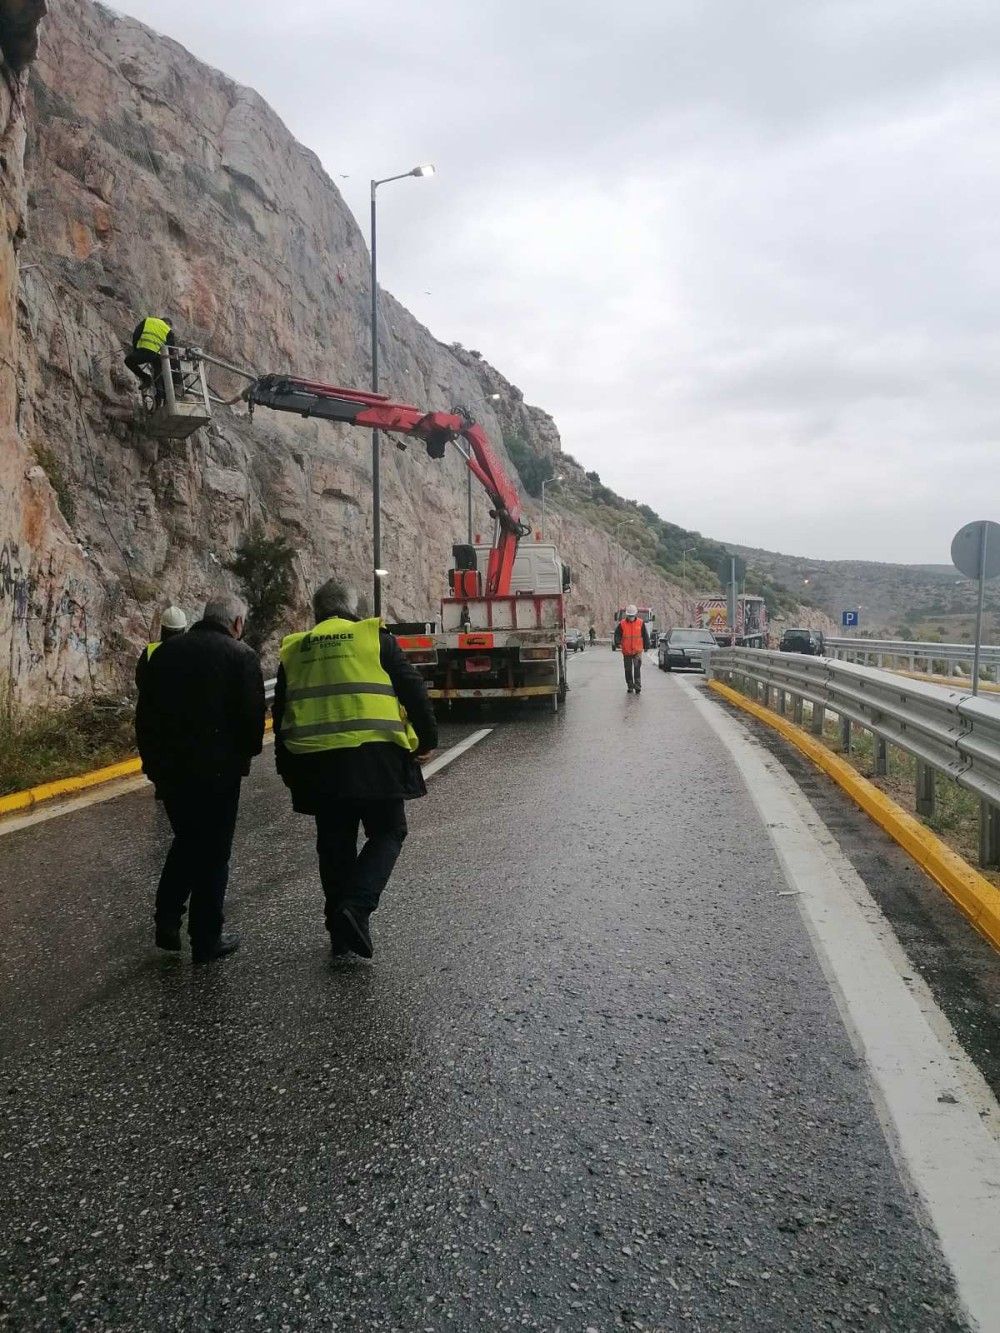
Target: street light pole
{"points": [[377, 572], [549, 481], [618, 528], [684, 579]]}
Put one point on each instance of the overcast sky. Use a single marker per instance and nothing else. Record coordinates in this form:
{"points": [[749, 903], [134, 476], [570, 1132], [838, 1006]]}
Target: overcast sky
{"points": [[746, 252]]}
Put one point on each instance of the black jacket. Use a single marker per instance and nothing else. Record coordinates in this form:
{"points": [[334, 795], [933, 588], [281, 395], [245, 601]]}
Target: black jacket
{"points": [[376, 771], [617, 640], [200, 715]]}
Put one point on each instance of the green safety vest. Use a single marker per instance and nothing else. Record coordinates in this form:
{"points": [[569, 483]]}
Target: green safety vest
{"points": [[154, 335], [337, 695], [151, 649]]}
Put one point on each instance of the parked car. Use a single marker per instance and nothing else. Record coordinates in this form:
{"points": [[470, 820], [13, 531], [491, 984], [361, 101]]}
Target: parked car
{"points": [[684, 649], [803, 640], [575, 641]]}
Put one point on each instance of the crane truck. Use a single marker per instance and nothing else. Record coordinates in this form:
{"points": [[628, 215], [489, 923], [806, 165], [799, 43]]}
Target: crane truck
{"points": [[502, 627]]}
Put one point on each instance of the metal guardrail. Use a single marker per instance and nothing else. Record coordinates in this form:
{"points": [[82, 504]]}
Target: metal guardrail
{"points": [[269, 689], [947, 659], [946, 730]]}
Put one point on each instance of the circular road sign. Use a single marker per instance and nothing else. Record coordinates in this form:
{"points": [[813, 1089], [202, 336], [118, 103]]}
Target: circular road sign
{"points": [[965, 548]]}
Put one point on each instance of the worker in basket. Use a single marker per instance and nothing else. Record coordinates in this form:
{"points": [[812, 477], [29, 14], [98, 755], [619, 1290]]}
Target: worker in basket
{"points": [[149, 338], [632, 637]]}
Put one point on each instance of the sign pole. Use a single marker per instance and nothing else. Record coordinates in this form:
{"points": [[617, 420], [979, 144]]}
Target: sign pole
{"points": [[983, 543], [732, 601]]}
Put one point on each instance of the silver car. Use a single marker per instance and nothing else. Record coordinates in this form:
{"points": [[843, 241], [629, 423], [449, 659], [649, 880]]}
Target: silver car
{"points": [[684, 649]]}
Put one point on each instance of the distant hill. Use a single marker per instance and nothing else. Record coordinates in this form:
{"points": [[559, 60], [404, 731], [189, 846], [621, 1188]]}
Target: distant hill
{"points": [[934, 599]]}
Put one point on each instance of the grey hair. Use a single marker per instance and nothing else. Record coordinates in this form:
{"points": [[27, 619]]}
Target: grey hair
{"points": [[226, 608], [335, 599]]}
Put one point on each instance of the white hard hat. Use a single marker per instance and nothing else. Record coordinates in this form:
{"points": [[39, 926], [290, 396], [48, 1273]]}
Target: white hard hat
{"points": [[173, 618], [631, 611]]}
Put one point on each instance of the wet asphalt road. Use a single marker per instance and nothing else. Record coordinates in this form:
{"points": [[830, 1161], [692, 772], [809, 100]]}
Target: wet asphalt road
{"points": [[593, 1079]]}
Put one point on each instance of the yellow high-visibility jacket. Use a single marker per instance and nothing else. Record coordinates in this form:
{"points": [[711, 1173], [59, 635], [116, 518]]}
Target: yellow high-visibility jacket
{"points": [[337, 696], [153, 335]]}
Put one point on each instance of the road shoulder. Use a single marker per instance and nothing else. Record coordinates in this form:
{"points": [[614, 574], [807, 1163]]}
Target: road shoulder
{"points": [[941, 1115]]}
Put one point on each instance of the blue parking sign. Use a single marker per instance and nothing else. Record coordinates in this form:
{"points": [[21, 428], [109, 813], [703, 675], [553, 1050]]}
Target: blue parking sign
{"points": [[849, 619]]}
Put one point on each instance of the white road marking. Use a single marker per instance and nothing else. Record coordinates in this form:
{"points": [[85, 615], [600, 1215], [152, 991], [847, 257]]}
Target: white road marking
{"points": [[942, 1117], [109, 790], [449, 756]]}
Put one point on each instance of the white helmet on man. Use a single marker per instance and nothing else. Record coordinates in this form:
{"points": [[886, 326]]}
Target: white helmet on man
{"points": [[631, 611], [173, 618]]}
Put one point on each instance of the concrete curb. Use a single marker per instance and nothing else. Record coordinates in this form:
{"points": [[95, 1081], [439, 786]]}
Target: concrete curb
{"points": [[48, 791], [974, 895]]}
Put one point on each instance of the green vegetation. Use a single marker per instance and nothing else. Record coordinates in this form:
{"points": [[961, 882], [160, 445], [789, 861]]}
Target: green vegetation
{"points": [[532, 468], [40, 745], [57, 478], [263, 566], [638, 528]]}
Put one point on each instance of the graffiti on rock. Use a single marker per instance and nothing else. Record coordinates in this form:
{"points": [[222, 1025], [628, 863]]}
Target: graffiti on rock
{"points": [[15, 583]]}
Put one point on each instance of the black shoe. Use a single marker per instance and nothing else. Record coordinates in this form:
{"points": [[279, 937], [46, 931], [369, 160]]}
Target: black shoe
{"points": [[168, 939], [629, 689], [337, 930], [221, 948], [353, 924], [638, 689]]}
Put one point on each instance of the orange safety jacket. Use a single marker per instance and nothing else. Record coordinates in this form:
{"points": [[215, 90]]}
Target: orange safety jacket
{"points": [[631, 637]]}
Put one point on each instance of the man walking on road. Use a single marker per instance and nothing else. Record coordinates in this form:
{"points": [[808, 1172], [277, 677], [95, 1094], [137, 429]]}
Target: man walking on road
{"points": [[198, 723], [351, 715], [632, 637]]}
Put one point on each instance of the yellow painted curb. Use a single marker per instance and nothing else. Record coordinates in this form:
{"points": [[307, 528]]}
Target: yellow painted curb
{"points": [[48, 791], [973, 894]]}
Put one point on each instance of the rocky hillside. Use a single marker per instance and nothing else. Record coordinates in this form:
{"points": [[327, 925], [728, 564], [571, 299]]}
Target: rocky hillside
{"points": [[154, 184]]}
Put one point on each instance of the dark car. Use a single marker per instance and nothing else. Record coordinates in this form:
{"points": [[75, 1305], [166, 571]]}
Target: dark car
{"points": [[803, 640], [575, 642], [684, 649]]}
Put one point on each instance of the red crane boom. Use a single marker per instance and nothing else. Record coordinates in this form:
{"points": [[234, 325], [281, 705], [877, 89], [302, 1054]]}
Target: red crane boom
{"points": [[356, 407]]}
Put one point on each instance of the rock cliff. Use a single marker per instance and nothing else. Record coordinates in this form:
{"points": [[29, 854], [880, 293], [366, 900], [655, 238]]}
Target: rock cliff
{"points": [[153, 184]]}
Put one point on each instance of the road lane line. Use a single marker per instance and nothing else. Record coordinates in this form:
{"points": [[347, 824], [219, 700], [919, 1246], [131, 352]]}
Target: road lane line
{"points": [[108, 791], [449, 756], [942, 1115]]}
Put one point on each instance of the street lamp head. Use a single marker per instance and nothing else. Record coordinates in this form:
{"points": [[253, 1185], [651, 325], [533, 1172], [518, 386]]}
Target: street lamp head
{"points": [[427, 169]]}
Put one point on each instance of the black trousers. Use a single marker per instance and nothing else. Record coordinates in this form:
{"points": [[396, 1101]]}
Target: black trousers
{"points": [[197, 865], [146, 367], [633, 670], [347, 875]]}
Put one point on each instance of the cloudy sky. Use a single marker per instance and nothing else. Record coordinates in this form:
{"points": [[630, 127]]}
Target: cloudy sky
{"points": [[745, 251]]}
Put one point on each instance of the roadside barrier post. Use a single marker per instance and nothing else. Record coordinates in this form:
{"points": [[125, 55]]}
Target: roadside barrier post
{"points": [[845, 734], [925, 788], [989, 835], [881, 756]]}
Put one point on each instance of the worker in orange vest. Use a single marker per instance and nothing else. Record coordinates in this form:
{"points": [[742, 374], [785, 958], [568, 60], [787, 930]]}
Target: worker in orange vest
{"points": [[632, 637]]}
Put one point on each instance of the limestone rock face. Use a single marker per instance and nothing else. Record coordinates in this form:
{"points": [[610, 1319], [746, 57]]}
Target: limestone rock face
{"points": [[155, 185], [51, 605]]}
